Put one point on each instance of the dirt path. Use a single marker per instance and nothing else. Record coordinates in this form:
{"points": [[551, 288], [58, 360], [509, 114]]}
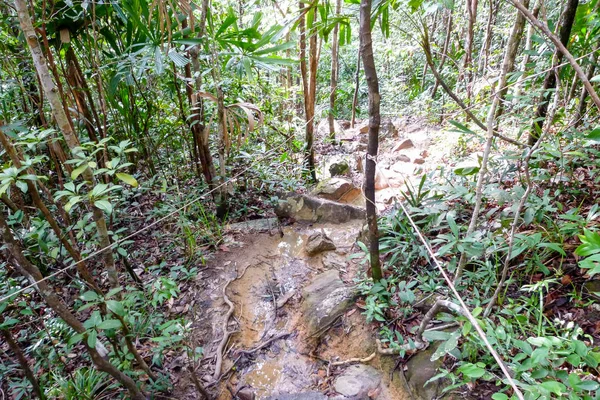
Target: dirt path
{"points": [[269, 270]]}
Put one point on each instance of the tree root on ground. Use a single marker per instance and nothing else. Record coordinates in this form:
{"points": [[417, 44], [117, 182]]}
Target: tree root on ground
{"points": [[354, 360]]}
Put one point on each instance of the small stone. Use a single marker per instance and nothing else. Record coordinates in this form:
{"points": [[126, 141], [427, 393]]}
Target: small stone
{"points": [[340, 168], [403, 158], [318, 243], [403, 145], [357, 381], [419, 161], [246, 394], [337, 189], [364, 127]]}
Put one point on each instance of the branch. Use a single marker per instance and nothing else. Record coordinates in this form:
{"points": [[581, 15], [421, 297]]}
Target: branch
{"points": [[544, 28]]}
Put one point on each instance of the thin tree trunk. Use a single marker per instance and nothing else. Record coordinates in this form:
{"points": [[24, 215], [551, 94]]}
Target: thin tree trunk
{"points": [[527, 51], [366, 45], [313, 59], [508, 64], [28, 270], [550, 80], [471, 6], [444, 49], [14, 346], [356, 88], [335, 46]]}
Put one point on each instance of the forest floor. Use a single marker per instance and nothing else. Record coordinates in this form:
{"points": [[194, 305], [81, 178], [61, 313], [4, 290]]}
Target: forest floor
{"points": [[265, 270]]}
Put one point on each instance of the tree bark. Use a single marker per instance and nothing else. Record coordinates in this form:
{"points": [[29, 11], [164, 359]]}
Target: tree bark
{"points": [[550, 80], [471, 6], [309, 84], [444, 49], [14, 346], [366, 45], [335, 46], [528, 46], [508, 64], [356, 88]]}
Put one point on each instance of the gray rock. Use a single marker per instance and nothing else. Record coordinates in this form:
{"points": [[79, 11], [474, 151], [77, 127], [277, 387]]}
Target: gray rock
{"points": [[340, 168], [246, 394], [332, 260], [306, 208], [404, 144], [255, 225], [337, 189], [402, 158], [325, 300], [419, 370], [388, 129], [357, 381], [318, 243], [298, 396]]}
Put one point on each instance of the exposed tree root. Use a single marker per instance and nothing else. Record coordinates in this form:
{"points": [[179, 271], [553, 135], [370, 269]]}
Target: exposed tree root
{"points": [[354, 360]]}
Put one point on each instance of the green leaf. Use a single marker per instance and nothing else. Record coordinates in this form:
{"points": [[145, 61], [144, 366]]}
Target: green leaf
{"points": [[78, 171], [109, 324], [75, 339], [128, 179], [104, 205], [554, 387], [90, 295], [92, 338], [116, 307], [436, 335], [499, 396], [471, 370]]}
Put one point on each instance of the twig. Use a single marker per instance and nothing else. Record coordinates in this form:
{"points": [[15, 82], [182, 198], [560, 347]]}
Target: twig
{"points": [[354, 360], [440, 303]]}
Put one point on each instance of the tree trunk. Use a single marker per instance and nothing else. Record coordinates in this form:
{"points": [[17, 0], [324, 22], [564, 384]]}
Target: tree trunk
{"points": [[335, 46], [508, 64], [14, 346], [471, 6], [444, 49], [28, 270], [366, 45], [309, 84], [356, 88], [550, 79], [527, 50]]}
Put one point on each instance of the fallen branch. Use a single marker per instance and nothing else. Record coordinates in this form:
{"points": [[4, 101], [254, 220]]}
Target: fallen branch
{"points": [[439, 304], [354, 360]]}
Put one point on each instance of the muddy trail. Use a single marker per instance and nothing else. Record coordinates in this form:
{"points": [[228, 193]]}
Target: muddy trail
{"points": [[276, 309]]}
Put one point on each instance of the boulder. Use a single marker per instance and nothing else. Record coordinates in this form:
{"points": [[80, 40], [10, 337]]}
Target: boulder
{"points": [[357, 381], [298, 396], [419, 369], [318, 243], [337, 189], [339, 168], [403, 145], [302, 207], [326, 299]]}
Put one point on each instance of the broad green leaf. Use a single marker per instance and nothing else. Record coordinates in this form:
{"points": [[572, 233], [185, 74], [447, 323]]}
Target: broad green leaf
{"points": [[78, 171], [128, 179], [116, 307], [471, 370], [92, 338], [90, 295], [104, 205], [109, 324], [554, 387]]}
